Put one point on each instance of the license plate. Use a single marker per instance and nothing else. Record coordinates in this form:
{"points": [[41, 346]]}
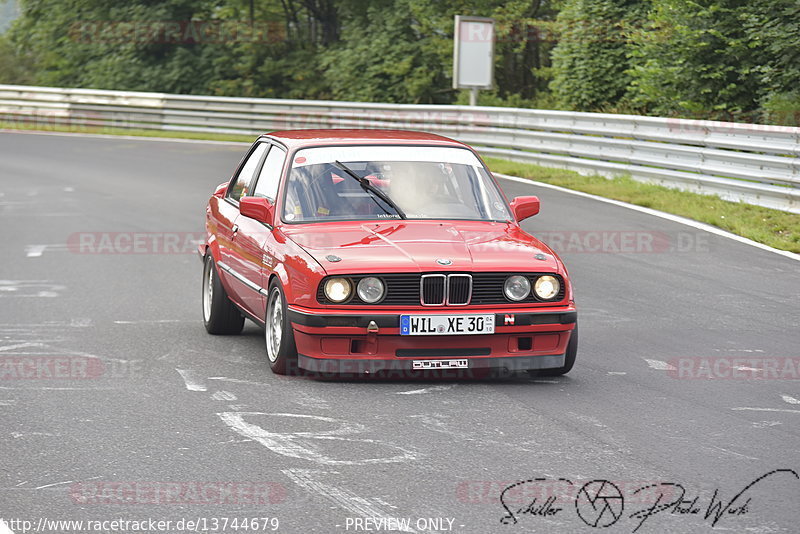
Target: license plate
{"points": [[440, 364], [446, 325]]}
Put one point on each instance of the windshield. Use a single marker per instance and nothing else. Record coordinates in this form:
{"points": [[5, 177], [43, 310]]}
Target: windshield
{"points": [[347, 183]]}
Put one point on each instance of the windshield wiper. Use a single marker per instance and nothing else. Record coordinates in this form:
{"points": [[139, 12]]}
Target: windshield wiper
{"points": [[366, 185]]}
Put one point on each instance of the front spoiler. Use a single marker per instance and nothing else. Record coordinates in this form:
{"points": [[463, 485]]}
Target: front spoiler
{"points": [[476, 367]]}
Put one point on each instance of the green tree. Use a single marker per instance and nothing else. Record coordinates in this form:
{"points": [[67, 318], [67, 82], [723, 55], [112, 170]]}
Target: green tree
{"points": [[391, 55], [773, 32], [15, 66], [591, 60], [695, 59], [93, 43]]}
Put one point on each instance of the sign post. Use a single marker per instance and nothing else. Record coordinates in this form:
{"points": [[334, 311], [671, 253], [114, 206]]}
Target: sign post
{"points": [[473, 55]]}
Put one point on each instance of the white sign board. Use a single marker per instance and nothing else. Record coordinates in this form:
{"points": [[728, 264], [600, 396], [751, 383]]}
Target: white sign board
{"points": [[473, 53]]}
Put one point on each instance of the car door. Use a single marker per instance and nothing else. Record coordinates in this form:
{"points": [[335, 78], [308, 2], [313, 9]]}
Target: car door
{"points": [[228, 213], [254, 241]]}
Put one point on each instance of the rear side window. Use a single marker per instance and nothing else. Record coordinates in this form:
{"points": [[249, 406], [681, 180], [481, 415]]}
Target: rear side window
{"points": [[270, 176], [241, 186]]}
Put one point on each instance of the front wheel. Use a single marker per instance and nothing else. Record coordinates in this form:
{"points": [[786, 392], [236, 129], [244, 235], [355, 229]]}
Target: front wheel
{"points": [[569, 358], [281, 349], [220, 315]]}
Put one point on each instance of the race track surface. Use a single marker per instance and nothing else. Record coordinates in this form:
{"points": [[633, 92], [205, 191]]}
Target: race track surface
{"points": [[683, 383]]}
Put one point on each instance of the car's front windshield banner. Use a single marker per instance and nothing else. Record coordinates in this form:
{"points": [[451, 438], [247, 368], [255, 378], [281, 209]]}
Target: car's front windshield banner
{"points": [[420, 182]]}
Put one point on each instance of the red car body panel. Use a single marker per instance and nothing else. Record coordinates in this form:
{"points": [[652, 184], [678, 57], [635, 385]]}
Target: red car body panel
{"points": [[334, 338]]}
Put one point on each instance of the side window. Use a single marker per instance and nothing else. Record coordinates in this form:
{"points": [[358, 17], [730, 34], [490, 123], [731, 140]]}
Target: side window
{"points": [[270, 177], [245, 177]]}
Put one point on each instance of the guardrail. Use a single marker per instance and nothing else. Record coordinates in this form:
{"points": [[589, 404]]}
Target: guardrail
{"points": [[753, 163]]}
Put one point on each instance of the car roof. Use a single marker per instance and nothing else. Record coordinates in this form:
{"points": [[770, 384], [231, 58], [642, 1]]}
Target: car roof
{"points": [[322, 137]]}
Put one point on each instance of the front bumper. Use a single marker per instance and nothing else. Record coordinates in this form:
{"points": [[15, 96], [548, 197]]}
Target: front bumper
{"points": [[339, 343]]}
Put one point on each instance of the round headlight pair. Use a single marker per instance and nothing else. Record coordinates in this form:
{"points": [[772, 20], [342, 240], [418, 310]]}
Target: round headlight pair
{"points": [[518, 287], [369, 289]]}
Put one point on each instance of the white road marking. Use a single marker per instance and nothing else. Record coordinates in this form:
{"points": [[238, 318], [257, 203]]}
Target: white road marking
{"points": [[20, 346], [223, 396], [745, 368], [34, 251], [649, 211], [714, 447], [424, 390], [19, 435], [29, 288], [293, 444], [344, 498], [192, 380], [237, 381], [55, 484], [765, 410], [8, 402], [308, 400], [790, 400], [620, 373], [738, 350], [658, 365], [765, 424]]}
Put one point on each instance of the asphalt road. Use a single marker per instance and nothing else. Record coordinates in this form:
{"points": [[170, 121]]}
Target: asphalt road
{"points": [[166, 415]]}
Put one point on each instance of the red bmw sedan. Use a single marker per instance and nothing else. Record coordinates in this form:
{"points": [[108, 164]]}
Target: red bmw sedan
{"points": [[361, 251]]}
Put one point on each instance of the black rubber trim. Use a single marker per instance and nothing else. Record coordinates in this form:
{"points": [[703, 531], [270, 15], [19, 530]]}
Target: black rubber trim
{"points": [[393, 321], [334, 366], [356, 321], [528, 319], [440, 353]]}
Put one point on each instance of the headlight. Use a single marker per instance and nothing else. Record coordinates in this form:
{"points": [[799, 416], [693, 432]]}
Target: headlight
{"points": [[546, 287], [338, 289], [370, 289], [517, 287]]}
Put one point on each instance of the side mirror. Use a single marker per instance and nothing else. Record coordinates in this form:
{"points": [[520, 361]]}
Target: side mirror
{"points": [[524, 207], [258, 208]]}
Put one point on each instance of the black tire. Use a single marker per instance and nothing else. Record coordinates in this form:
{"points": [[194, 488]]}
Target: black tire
{"points": [[220, 315], [278, 332], [569, 358]]}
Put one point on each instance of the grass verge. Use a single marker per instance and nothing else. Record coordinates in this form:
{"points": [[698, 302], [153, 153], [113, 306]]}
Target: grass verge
{"points": [[778, 229], [775, 228]]}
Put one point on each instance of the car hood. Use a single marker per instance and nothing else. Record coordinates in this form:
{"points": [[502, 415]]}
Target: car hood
{"points": [[409, 246]]}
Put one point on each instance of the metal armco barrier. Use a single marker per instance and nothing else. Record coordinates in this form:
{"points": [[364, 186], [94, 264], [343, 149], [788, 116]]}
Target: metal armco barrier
{"points": [[757, 164]]}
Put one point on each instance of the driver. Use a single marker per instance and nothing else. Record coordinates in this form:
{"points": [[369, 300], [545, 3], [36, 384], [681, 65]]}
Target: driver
{"points": [[415, 184]]}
